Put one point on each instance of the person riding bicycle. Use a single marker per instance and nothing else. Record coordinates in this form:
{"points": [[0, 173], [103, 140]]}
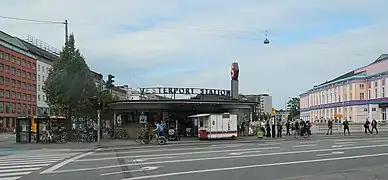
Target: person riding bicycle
{"points": [[159, 129]]}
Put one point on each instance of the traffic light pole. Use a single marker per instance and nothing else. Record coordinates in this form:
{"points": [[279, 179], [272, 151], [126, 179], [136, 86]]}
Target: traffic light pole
{"points": [[99, 127]]}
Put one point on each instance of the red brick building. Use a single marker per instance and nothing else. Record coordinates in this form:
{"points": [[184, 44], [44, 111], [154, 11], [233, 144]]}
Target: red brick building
{"points": [[17, 81]]}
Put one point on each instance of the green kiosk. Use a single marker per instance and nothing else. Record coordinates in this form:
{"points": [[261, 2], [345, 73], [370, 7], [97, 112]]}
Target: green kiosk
{"points": [[23, 129]]}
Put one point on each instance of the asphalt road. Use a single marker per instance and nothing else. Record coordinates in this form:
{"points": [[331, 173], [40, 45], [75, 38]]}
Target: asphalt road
{"points": [[315, 159]]}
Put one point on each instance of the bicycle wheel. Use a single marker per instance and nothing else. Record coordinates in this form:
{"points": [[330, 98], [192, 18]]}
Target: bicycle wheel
{"points": [[162, 140]]}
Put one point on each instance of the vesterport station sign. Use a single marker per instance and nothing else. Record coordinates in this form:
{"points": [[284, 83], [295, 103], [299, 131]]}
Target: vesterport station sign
{"points": [[184, 91]]}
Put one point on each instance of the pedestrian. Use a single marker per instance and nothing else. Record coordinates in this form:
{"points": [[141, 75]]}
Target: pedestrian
{"points": [[242, 128], [280, 128], [302, 127], [374, 126], [366, 127], [346, 126], [268, 129], [288, 128], [330, 127]]}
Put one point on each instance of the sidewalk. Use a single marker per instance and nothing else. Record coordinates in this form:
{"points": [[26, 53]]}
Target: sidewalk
{"points": [[112, 143]]}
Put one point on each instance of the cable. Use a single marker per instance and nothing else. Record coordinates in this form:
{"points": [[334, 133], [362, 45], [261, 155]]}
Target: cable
{"points": [[31, 20]]}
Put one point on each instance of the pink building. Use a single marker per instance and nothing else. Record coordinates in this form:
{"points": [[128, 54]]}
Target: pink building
{"points": [[356, 96]]}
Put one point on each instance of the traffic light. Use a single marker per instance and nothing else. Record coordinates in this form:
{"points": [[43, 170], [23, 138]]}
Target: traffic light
{"points": [[95, 102], [109, 83]]}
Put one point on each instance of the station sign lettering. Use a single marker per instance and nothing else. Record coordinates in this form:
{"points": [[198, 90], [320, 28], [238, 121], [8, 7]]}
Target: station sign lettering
{"points": [[184, 91]]}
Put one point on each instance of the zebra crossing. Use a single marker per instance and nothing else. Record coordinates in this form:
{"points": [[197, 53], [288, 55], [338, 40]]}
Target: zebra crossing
{"points": [[13, 167]]}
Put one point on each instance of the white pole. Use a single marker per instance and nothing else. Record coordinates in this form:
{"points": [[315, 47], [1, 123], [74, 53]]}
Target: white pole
{"points": [[98, 126]]}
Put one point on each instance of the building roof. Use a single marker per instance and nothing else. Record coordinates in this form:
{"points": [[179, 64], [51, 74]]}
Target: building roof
{"points": [[382, 57], [11, 40], [38, 51]]}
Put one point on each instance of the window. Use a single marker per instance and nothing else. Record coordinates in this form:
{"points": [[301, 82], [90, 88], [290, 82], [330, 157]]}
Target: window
{"points": [[361, 86], [373, 109], [29, 75], [13, 82], [33, 76], [13, 107], [23, 73], [24, 96], [1, 54], [6, 56], [383, 82], [376, 84], [13, 59], [384, 114], [38, 67], [13, 71], [24, 108], [23, 62], [13, 95], [7, 81], [7, 70], [42, 68], [33, 66], [18, 107], [376, 93], [38, 87], [38, 97], [28, 97], [18, 84], [18, 61], [18, 95], [43, 78], [1, 93], [382, 91], [6, 94], [1, 107], [18, 72], [23, 85], [370, 85], [369, 94], [7, 107], [1, 67], [28, 64], [38, 77], [362, 96]]}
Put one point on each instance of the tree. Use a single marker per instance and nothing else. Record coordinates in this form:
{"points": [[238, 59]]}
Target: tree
{"points": [[69, 82], [293, 105]]}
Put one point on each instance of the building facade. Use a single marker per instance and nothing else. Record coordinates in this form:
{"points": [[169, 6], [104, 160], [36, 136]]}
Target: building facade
{"points": [[356, 96], [264, 103], [17, 80]]}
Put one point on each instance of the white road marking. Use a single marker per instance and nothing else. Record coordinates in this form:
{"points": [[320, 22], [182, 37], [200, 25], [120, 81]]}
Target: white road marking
{"points": [[53, 168], [24, 166], [146, 159], [220, 157], [164, 150], [332, 153], [20, 169], [11, 178], [305, 145], [27, 162], [344, 143], [254, 166], [15, 174], [239, 153], [175, 154], [377, 141], [308, 142], [136, 170]]}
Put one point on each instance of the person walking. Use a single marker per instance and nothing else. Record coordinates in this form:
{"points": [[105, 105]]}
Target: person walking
{"points": [[280, 128], [268, 129], [346, 127], [366, 127], [288, 128], [374, 126], [329, 127]]}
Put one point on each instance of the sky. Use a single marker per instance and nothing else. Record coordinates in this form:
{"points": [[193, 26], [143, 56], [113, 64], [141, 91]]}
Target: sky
{"points": [[192, 43]]}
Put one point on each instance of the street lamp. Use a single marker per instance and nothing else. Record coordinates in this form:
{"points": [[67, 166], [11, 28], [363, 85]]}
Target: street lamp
{"points": [[266, 41]]}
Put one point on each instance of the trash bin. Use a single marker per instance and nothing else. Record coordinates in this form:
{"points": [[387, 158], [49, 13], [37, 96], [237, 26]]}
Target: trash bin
{"points": [[260, 134]]}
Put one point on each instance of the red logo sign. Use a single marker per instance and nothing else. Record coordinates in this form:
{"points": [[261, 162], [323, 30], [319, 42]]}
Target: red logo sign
{"points": [[234, 71]]}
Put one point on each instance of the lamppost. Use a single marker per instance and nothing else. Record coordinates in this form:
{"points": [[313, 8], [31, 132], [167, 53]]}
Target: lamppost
{"points": [[266, 41]]}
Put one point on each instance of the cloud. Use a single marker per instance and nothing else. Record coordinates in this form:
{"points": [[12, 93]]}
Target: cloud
{"points": [[192, 43]]}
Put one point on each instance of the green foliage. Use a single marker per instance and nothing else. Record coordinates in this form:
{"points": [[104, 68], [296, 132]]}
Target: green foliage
{"points": [[70, 82], [293, 105]]}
